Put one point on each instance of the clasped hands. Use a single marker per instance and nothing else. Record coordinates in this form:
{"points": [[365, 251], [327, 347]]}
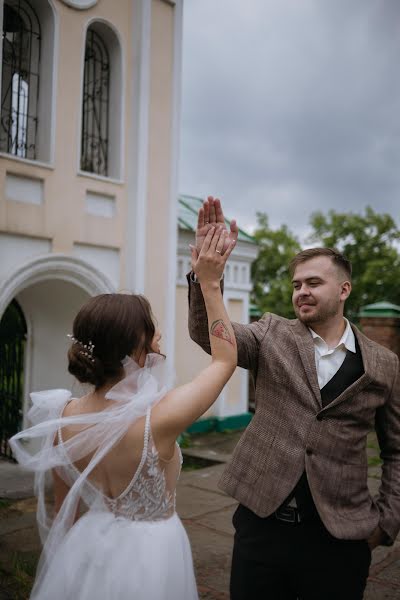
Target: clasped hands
{"points": [[214, 243]]}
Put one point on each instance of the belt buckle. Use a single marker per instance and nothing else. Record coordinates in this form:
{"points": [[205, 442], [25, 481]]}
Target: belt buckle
{"points": [[288, 514]]}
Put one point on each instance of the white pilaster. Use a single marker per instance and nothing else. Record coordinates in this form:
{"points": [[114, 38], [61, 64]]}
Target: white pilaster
{"points": [[138, 145], [173, 191]]}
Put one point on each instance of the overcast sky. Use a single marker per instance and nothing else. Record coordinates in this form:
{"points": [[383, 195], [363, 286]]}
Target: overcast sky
{"points": [[291, 106]]}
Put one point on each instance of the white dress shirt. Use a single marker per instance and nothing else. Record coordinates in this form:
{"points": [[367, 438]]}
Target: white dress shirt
{"points": [[329, 360]]}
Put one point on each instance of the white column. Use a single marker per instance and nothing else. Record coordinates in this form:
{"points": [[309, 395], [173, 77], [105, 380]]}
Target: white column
{"points": [[173, 191], [138, 143]]}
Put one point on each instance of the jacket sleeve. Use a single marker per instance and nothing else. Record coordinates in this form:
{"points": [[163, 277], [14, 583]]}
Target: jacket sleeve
{"points": [[248, 337], [387, 426]]}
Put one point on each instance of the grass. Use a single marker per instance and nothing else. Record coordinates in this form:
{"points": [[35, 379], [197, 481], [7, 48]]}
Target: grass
{"points": [[192, 463], [185, 440], [372, 444], [16, 579], [374, 461], [17, 567]]}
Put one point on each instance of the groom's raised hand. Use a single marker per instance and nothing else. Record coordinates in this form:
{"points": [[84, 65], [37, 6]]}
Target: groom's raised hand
{"points": [[210, 214]]}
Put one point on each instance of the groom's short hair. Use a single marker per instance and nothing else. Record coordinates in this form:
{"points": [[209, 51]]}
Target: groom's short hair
{"points": [[339, 261]]}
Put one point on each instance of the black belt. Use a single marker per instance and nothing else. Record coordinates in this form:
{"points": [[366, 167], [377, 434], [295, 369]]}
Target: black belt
{"points": [[288, 514]]}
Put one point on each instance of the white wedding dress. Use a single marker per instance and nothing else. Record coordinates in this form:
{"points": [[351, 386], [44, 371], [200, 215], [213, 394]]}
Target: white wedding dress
{"points": [[133, 546]]}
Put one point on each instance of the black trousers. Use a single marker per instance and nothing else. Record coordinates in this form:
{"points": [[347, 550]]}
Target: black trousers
{"points": [[275, 560]]}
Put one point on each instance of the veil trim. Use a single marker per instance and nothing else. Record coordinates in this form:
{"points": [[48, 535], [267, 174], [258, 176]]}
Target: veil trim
{"points": [[97, 432], [137, 470]]}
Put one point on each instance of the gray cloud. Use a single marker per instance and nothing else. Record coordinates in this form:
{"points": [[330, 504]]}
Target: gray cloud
{"points": [[292, 106]]}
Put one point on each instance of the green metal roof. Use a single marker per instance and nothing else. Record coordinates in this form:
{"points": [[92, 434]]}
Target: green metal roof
{"points": [[188, 207], [380, 309], [254, 311]]}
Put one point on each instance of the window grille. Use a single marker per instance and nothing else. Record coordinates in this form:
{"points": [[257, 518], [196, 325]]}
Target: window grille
{"points": [[20, 79], [95, 106]]}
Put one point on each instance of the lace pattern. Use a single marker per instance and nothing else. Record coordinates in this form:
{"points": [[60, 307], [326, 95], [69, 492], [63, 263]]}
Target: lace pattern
{"points": [[146, 498]]}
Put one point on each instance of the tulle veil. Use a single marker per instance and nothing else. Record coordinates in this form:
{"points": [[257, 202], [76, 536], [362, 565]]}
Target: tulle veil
{"points": [[129, 399]]}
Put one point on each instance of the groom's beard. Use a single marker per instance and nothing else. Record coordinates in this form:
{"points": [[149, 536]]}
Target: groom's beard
{"points": [[320, 313]]}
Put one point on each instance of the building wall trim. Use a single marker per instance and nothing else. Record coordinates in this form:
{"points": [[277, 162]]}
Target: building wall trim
{"points": [[56, 266]]}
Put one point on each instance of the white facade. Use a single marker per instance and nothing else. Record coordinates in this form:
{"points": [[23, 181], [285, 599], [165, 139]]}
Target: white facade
{"points": [[66, 231], [231, 408]]}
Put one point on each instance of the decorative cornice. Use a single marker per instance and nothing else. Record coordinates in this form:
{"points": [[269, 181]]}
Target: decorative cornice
{"points": [[80, 4]]}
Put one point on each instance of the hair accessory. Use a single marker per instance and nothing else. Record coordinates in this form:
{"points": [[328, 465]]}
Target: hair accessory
{"points": [[87, 348]]}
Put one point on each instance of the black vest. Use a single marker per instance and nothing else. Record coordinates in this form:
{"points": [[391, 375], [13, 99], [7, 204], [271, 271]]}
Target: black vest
{"points": [[351, 370]]}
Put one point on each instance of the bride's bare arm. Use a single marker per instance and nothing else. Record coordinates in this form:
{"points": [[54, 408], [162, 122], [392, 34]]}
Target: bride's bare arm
{"points": [[183, 405]]}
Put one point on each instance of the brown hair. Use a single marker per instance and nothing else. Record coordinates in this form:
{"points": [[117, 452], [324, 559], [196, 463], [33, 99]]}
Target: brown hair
{"points": [[340, 261], [117, 325]]}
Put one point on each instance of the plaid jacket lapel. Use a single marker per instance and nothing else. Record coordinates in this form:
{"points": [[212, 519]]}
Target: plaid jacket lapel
{"points": [[368, 353], [305, 346]]}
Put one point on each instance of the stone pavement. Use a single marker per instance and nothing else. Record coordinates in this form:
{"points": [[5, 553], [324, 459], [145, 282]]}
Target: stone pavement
{"points": [[206, 513]]}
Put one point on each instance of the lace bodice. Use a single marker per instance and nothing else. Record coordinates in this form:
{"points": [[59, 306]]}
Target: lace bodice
{"points": [[150, 495]]}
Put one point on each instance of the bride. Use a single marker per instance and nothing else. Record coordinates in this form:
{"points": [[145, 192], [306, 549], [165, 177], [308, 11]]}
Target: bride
{"points": [[113, 456]]}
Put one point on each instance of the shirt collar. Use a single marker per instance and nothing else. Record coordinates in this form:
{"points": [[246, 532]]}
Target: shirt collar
{"points": [[347, 339]]}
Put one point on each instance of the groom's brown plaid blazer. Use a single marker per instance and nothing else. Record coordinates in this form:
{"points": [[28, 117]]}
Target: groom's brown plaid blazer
{"points": [[291, 432]]}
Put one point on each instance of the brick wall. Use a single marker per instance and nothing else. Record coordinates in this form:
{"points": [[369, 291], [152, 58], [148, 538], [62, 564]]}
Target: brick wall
{"points": [[384, 330]]}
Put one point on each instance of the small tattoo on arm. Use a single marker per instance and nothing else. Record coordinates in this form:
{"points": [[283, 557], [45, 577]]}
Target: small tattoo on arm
{"points": [[220, 330]]}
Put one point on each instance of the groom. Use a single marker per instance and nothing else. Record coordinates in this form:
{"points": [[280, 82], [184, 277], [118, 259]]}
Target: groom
{"points": [[306, 523]]}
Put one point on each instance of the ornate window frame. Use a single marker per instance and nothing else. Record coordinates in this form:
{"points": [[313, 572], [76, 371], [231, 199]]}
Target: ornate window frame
{"points": [[116, 119], [46, 105], [20, 87]]}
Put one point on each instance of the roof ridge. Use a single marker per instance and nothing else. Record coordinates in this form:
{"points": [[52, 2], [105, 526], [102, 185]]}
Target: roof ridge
{"points": [[183, 200], [185, 223], [188, 205]]}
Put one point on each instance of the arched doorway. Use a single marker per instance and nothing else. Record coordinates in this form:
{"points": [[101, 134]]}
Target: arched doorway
{"points": [[13, 332], [48, 291]]}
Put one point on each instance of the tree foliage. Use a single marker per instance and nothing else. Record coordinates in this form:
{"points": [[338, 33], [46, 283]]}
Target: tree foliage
{"points": [[272, 287], [369, 240]]}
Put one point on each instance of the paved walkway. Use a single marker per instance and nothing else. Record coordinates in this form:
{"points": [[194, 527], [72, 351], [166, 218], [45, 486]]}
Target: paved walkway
{"points": [[206, 513]]}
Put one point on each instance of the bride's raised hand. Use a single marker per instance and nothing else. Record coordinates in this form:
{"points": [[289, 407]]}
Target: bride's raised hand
{"points": [[208, 265], [211, 215]]}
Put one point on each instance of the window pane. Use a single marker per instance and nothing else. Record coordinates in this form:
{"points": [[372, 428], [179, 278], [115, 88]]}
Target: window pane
{"points": [[95, 107], [20, 79]]}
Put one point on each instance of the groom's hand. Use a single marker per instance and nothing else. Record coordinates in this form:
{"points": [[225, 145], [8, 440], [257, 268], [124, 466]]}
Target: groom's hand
{"points": [[376, 538], [210, 214]]}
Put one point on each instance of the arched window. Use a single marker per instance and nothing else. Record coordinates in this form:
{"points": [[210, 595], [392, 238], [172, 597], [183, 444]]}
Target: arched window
{"points": [[95, 106], [20, 79]]}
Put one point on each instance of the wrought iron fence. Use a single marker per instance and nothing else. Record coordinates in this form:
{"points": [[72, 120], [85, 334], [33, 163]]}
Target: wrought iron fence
{"points": [[12, 350]]}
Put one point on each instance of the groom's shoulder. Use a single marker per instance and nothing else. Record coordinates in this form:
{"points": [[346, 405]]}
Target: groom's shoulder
{"points": [[275, 323]]}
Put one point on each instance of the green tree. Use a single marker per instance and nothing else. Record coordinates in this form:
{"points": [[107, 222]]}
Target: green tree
{"points": [[370, 241], [272, 289]]}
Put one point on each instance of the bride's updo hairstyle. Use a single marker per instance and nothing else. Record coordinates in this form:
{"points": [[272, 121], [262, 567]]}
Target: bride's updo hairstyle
{"points": [[106, 329]]}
